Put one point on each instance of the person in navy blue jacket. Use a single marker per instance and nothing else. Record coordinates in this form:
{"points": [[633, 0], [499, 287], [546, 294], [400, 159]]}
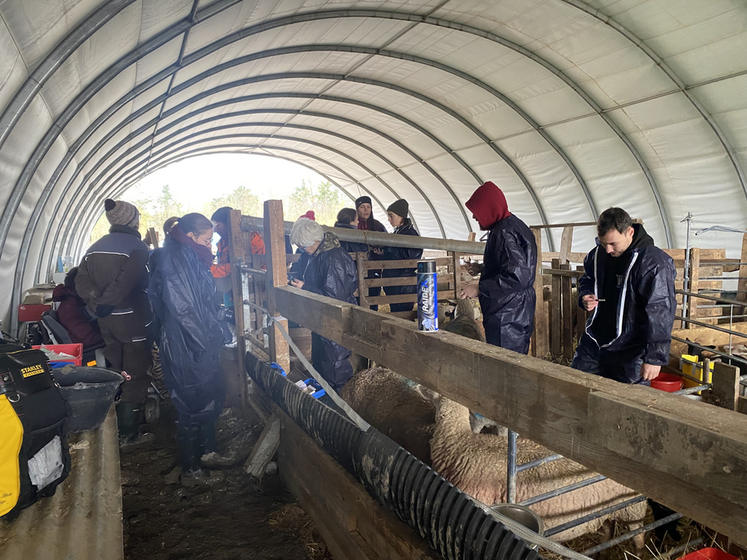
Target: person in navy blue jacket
{"points": [[628, 283], [506, 288], [397, 215], [347, 218]]}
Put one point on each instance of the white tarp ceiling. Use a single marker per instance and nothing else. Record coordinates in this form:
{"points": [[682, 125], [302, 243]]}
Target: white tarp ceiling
{"points": [[569, 106]]}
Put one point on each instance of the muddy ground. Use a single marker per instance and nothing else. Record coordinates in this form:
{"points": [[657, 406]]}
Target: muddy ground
{"points": [[237, 519]]}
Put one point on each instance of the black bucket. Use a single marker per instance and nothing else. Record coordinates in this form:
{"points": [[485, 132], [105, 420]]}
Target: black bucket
{"points": [[90, 392]]}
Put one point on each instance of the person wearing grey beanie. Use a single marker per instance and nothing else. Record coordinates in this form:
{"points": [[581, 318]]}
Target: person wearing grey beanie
{"points": [[330, 272], [112, 280]]}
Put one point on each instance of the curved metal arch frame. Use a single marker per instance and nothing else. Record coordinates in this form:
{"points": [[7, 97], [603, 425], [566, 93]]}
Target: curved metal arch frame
{"points": [[154, 154], [425, 62], [280, 148], [157, 101], [672, 75]]}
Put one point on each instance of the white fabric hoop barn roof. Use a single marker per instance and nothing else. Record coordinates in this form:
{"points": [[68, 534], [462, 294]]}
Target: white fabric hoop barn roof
{"points": [[569, 106]]}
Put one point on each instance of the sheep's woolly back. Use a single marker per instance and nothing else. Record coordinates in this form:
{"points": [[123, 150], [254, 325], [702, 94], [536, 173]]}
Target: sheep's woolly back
{"points": [[476, 463], [385, 400]]}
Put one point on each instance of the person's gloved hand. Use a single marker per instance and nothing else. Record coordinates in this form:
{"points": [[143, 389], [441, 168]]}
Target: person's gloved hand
{"points": [[104, 310]]}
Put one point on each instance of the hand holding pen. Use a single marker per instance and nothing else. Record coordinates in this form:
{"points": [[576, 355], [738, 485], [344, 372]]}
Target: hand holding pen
{"points": [[590, 301]]}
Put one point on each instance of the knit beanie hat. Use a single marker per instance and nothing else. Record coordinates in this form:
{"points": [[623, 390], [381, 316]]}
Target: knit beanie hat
{"points": [[362, 200], [121, 213], [310, 215], [399, 207]]}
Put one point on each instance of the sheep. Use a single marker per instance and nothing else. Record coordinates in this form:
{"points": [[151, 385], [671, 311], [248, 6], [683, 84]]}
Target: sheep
{"points": [[389, 403], [476, 464]]}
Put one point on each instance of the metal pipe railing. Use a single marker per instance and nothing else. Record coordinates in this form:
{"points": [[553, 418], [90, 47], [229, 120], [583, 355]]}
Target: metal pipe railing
{"points": [[714, 327], [612, 542], [511, 466], [563, 490], [594, 515], [713, 298], [537, 462]]}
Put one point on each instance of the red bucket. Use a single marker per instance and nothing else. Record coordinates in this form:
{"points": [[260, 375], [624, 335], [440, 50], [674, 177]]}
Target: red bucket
{"points": [[668, 382], [709, 554]]}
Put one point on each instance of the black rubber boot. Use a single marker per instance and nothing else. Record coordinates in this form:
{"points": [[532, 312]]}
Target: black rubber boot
{"points": [[207, 438], [185, 442], [190, 442], [129, 416]]}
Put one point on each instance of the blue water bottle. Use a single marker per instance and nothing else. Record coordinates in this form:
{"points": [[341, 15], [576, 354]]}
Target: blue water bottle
{"points": [[427, 297]]}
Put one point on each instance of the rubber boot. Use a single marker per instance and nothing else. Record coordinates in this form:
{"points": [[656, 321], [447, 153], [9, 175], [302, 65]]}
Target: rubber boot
{"points": [[190, 441], [128, 421]]}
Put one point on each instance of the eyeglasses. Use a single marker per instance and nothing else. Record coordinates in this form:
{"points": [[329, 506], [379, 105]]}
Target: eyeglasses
{"points": [[204, 241]]}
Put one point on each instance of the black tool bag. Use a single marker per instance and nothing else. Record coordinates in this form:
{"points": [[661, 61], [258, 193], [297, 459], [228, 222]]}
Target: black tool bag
{"points": [[34, 455]]}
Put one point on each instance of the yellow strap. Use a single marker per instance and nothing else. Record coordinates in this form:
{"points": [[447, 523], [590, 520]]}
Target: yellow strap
{"points": [[11, 438]]}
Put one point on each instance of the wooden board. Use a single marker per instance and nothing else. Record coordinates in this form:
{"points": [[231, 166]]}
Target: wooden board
{"points": [[742, 284], [412, 263], [694, 461], [354, 525], [237, 248], [406, 298], [725, 390], [541, 334], [264, 449], [277, 275]]}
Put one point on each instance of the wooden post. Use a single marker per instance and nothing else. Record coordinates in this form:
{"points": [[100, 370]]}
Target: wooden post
{"points": [[471, 236], [742, 284], [567, 313], [540, 336], [566, 241], [725, 390], [153, 234], [238, 251], [277, 275], [457, 273], [556, 332], [360, 261], [580, 314], [692, 302]]}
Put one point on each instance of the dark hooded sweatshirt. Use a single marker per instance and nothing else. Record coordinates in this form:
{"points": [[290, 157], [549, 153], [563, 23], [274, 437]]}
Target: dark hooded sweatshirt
{"points": [[507, 295]]}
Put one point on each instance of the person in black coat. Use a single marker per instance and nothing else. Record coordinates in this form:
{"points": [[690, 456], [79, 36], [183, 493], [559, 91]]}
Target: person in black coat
{"points": [[182, 292], [397, 215], [347, 218], [332, 273], [506, 288], [629, 285]]}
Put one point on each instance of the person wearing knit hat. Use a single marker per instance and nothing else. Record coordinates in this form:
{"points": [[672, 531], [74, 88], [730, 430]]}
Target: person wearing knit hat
{"points": [[310, 215], [111, 280], [506, 287], [397, 215], [367, 222], [121, 213]]}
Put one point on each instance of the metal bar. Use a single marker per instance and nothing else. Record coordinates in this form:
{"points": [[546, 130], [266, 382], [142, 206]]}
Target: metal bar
{"points": [[691, 390], [717, 352], [579, 224], [612, 542], [686, 269], [250, 270], [723, 278], [594, 515], [683, 547], [255, 306], [725, 262], [713, 298], [714, 327], [511, 467], [538, 462], [563, 490]]}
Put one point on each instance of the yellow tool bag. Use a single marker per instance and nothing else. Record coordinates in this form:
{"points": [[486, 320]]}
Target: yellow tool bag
{"points": [[34, 455]]}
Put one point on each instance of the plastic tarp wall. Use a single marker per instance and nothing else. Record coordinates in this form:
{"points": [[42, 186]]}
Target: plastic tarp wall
{"points": [[569, 106]]}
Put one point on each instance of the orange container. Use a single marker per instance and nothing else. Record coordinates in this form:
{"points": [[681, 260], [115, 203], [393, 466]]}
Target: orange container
{"points": [[74, 350], [709, 554], [667, 382]]}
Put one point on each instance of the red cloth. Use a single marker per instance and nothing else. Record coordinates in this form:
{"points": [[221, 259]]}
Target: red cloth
{"points": [[70, 315], [489, 205], [310, 215], [204, 254]]}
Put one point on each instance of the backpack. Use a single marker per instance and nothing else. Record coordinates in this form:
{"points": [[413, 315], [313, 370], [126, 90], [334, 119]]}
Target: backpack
{"points": [[34, 454]]}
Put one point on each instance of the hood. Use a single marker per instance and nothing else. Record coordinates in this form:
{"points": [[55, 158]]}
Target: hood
{"points": [[488, 204], [61, 292], [641, 238], [330, 241]]}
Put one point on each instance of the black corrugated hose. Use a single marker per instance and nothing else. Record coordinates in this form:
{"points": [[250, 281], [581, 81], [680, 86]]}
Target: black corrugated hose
{"points": [[449, 520]]}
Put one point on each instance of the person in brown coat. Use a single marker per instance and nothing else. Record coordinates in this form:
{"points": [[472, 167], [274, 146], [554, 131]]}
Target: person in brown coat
{"points": [[112, 280]]}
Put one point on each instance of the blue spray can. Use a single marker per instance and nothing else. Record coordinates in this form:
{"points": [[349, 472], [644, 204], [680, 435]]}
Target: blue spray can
{"points": [[427, 297]]}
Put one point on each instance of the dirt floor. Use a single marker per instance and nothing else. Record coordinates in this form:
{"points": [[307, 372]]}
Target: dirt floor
{"points": [[239, 518]]}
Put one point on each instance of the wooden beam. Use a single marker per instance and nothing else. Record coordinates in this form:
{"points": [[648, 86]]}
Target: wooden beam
{"points": [[688, 455], [540, 336], [556, 328], [352, 523], [405, 280], [566, 291], [410, 263], [277, 275], [725, 390], [566, 241], [742, 405], [264, 449], [742, 284], [406, 298], [692, 302], [238, 250]]}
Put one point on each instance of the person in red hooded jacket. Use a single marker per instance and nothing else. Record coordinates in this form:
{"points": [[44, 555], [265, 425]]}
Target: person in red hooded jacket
{"points": [[506, 289]]}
